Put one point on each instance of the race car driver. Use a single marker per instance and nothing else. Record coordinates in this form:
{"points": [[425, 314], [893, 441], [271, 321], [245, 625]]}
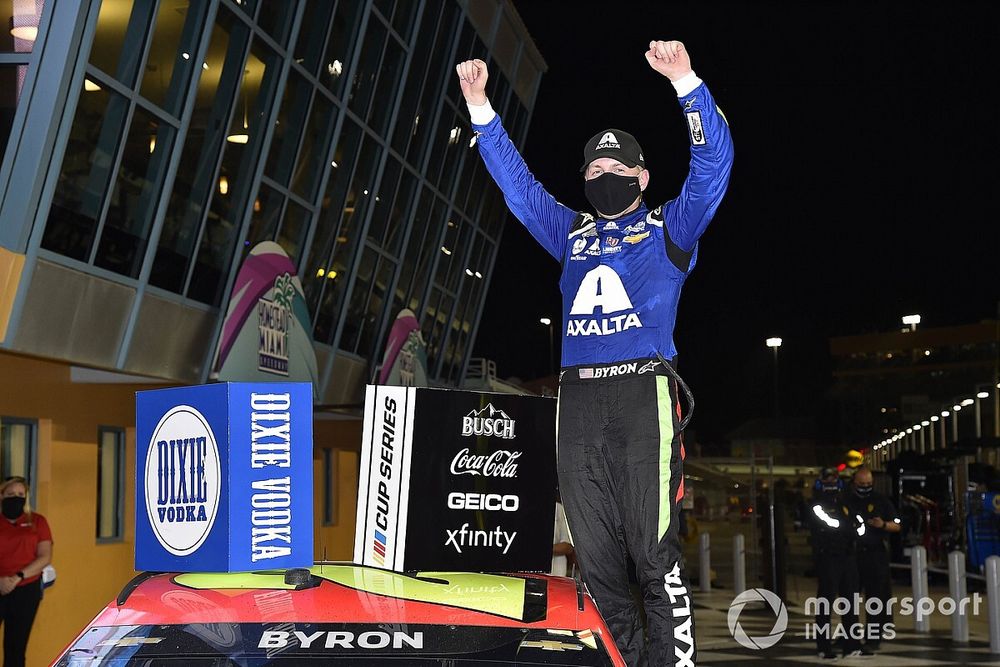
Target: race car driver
{"points": [[619, 422]]}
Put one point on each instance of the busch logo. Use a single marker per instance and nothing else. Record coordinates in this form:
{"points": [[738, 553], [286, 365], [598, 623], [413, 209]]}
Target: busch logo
{"points": [[501, 463], [182, 480], [488, 422]]}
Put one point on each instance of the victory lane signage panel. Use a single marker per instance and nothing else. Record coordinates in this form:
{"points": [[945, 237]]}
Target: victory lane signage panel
{"points": [[224, 477], [456, 480]]}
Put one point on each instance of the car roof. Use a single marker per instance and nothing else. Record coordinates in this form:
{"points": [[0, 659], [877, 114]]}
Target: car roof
{"points": [[342, 592]]}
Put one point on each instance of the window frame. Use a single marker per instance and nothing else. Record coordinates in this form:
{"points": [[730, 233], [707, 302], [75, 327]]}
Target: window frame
{"points": [[32, 454], [119, 482]]}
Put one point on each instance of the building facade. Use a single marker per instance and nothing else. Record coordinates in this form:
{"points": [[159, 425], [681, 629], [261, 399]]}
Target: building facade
{"points": [[147, 145], [887, 382]]}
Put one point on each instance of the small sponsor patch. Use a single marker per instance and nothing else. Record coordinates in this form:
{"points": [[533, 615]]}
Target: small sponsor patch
{"points": [[586, 373], [695, 128], [636, 228], [635, 238], [610, 225], [578, 246]]}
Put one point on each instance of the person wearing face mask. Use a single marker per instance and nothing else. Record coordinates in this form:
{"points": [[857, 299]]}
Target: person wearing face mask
{"points": [[833, 531], [619, 425], [25, 549], [881, 519]]}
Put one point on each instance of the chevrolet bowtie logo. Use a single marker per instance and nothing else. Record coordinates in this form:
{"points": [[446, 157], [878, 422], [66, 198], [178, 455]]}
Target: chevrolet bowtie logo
{"points": [[550, 645]]}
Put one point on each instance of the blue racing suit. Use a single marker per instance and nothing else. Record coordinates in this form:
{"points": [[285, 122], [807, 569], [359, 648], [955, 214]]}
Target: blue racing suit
{"points": [[621, 280], [619, 443]]}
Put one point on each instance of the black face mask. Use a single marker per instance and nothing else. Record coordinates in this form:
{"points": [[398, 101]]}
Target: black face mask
{"points": [[863, 491], [13, 507], [610, 194]]}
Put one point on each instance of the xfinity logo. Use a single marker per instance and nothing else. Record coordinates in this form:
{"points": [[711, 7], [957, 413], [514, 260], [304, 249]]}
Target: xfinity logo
{"points": [[488, 422], [483, 501], [497, 538], [501, 463]]}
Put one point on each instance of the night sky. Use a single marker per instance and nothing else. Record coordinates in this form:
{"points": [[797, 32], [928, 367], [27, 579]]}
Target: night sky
{"points": [[864, 186]]}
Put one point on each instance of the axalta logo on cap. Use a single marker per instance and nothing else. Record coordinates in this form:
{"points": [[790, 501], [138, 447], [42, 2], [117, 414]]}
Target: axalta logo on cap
{"points": [[609, 140]]}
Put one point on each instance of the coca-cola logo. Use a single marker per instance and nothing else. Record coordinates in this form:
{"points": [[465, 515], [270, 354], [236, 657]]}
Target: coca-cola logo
{"points": [[488, 422], [501, 463]]}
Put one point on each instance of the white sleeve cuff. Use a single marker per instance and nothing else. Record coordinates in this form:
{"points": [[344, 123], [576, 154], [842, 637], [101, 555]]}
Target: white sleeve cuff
{"points": [[686, 84], [481, 114]]}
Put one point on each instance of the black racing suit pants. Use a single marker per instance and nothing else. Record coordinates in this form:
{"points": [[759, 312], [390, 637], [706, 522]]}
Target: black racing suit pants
{"points": [[621, 480], [873, 575]]}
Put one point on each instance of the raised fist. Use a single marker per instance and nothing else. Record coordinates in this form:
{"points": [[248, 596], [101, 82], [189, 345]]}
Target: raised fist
{"points": [[472, 75], [670, 59]]}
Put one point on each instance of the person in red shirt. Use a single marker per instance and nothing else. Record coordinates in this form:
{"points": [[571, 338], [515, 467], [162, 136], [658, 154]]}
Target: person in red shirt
{"points": [[25, 548]]}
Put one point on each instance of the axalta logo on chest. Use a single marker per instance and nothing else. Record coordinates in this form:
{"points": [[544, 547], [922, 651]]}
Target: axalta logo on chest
{"points": [[604, 326], [602, 287]]}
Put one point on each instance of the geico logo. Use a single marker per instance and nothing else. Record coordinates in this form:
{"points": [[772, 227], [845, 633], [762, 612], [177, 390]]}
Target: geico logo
{"points": [[492, 502]]}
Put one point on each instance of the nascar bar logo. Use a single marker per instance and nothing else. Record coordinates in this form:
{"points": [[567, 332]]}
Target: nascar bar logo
{"points": [[488, 422], [274, 319], [183, 480], [378, 547]]}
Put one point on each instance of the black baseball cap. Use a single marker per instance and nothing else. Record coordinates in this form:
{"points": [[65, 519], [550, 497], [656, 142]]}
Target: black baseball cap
{"points": [[828, 472], [616, 144]]}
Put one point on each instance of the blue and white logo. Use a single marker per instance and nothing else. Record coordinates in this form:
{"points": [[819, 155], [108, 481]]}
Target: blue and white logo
{"points": [[183, 478]]}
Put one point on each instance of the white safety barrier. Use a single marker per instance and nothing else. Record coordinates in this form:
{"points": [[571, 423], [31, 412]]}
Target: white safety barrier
{"points": [[739, 564], [704, 563]]}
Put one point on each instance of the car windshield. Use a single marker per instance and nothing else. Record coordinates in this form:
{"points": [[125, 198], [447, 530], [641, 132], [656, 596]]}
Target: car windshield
{"points": [[285, 644]]}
